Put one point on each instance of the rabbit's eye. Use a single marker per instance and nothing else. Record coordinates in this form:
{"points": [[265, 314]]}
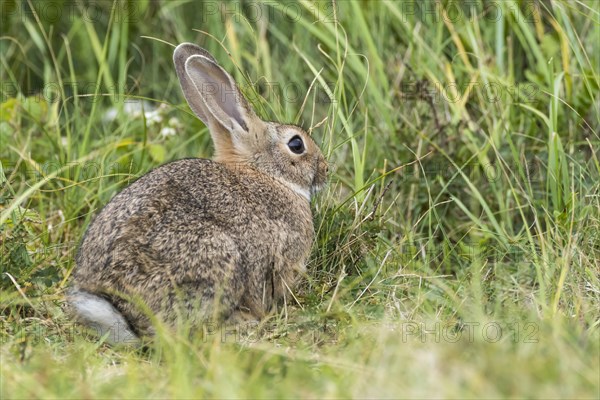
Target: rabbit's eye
{"points": [[296, 145]]}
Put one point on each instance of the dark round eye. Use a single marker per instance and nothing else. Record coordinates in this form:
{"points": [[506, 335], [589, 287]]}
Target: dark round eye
{"points": [[296, 145]]}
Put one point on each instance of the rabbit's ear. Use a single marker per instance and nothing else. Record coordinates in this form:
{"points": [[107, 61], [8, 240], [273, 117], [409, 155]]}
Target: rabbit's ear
{"points": [[210, 91], [180, 55], [222, 99]]}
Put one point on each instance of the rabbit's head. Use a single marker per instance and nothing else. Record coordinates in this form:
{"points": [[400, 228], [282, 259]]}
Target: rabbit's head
{"points": [[240, 137]]}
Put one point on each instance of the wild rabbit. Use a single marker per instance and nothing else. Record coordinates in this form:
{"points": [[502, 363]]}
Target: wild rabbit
{"points": [[196, 238]]}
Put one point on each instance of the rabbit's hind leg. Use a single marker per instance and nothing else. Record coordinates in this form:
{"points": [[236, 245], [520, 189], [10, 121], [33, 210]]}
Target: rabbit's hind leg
{"points": [[100, 315]]}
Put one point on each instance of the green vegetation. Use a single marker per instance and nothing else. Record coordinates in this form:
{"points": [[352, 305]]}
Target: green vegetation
{"points": [[458, 243]]}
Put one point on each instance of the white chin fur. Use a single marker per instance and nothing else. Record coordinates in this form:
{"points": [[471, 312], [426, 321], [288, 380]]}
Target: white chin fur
{"points": [[302, 192], [100, 315]]}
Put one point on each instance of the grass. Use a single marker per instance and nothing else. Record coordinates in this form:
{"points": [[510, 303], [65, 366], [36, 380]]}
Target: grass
{"points": [[458, 242]]}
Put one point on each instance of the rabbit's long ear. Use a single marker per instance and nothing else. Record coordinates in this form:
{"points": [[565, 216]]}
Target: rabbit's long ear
{"points": [[215, 98], [222, 99], [180, 56]]}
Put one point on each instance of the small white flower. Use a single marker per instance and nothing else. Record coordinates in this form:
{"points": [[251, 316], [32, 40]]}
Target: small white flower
{"points": [[167, 131], [175, 123], [109, 115], [132, 108], [153, 117]]}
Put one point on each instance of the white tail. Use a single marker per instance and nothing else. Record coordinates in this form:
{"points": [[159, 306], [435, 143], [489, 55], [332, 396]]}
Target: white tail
{"points": [[100, 315]]}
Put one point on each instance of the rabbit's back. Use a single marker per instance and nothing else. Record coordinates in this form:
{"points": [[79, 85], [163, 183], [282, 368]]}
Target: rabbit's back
{"points": [[193, 232]]}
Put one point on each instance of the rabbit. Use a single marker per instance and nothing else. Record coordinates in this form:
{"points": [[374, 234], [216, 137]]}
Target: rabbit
{"points": [[198, 239]]}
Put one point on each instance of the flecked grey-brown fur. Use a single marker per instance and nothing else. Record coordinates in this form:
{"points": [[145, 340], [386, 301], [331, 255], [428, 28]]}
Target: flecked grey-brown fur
{"points": [[198, 239]]}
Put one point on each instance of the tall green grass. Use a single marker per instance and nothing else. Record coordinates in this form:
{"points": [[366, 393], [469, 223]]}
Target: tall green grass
{"points": [[457, 248]]}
